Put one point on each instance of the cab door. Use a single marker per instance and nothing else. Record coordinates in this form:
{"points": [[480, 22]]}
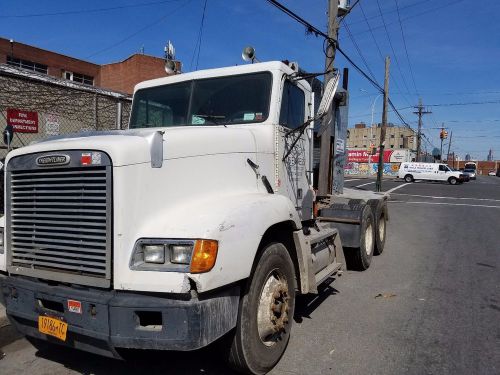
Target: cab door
{"points": [[441, 173], [294, 159]]}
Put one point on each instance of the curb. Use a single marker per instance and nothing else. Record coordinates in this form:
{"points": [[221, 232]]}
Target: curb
{"points": [[4, 321]]}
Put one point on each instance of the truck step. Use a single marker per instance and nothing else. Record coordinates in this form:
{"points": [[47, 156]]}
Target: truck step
{"points": [[327, 272]]}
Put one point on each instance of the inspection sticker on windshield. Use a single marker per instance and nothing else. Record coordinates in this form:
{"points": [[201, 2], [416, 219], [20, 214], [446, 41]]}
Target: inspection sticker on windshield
{"points": [[196, 120], [249, 116]]}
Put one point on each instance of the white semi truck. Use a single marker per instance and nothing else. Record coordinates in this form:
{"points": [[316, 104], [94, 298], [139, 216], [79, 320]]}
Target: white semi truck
{"points": [[200, 221]]}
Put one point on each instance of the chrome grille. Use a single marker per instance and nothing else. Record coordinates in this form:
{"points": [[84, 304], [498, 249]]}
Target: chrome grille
{"points": [[60, 223]]}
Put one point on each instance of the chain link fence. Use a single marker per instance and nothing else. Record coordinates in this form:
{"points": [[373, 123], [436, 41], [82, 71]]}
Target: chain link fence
{"points": [[58, 106], [61, 107]]}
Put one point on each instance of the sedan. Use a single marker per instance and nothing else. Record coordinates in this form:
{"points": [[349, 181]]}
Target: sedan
{"points": [[491, 173], [471, 173]]}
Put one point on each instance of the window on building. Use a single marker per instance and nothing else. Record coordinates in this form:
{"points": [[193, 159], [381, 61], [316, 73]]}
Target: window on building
{"points": [[392, 146], [364, 146], [402, 136], [292, 106], [80, 78], [26, 64], [400, 146], [392, 135]]}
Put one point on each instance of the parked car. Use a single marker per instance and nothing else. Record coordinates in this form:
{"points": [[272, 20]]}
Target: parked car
{"points": [[491, 173], [471, 173]]}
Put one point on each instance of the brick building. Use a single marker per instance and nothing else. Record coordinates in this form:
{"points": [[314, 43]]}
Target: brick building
{"points": [[60, 94], [119, 76], [397, 137]]}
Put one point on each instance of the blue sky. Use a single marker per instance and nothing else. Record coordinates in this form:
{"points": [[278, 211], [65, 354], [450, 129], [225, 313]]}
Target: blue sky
{"points": [[453, 48]]}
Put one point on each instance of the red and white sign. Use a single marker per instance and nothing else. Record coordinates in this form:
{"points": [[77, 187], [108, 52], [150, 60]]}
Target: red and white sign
{"points": [[390, 156], [22, 121], [74, 306]]}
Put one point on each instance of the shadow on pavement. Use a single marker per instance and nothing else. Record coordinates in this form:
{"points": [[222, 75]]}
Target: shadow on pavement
{"points": [[209, 360], [305, 305]]}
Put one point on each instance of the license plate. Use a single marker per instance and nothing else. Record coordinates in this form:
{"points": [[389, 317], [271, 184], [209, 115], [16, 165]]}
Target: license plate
{"points": [[53, 327]]}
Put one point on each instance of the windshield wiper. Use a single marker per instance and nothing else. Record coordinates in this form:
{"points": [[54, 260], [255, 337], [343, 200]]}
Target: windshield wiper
{"points": [[213, 118]]}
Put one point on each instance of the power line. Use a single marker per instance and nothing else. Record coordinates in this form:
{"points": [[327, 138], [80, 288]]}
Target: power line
{"points": [[464, 103], [394, 10], [415, 15], [406, 49], [380, 52], [130, 36], [359, 51], [82, 11], [199, 39], [314, 30], [392, 48]]}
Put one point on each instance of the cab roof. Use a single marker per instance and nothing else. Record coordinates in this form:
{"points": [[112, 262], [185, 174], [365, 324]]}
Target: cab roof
{"points": [[218, 72]]}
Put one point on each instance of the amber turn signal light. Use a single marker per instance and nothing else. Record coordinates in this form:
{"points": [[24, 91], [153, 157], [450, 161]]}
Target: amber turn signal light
{"points": [[204, 256]]}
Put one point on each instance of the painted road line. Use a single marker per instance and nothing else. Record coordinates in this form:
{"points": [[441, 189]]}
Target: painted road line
{"points": [[354, 179], [453, 198], [447, 204], [397, 187], [368, 183]]}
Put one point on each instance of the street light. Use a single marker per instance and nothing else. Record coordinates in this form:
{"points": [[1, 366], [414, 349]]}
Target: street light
{"points": [[371, 129]]}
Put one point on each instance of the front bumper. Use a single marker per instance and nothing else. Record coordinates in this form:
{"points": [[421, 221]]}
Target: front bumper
{"points": [[113, 319]]}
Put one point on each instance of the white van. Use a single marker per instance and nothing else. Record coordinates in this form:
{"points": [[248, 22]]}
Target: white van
{"points": [[429, 171]]}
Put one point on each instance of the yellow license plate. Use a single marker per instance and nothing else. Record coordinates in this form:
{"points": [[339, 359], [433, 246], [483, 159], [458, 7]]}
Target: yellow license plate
{"points": [[53, 327]]}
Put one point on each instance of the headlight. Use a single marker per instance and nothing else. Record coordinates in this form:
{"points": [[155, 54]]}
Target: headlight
{"points": [[194, 256], [154, 253]]}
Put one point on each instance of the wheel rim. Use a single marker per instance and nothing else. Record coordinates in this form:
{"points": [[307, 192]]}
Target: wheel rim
{"points": [[273, 309], [381, 228], [369, 239]]}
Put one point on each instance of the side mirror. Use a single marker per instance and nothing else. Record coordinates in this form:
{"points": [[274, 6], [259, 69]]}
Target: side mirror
{"points": [[8, 135], [328, 94]]}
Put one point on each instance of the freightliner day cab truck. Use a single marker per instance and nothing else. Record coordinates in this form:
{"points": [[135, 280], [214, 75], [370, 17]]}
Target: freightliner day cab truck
{"points": [[200, 221]]}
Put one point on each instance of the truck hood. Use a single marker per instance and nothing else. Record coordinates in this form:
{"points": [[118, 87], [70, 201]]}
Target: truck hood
{"points": [[128, 147]]}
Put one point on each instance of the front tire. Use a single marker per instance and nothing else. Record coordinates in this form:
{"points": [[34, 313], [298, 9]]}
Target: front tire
{"points": [[409, 178], [452, 181], [265, 314]]}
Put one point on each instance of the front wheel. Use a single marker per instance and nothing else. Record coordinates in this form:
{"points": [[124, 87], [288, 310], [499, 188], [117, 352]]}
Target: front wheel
{"points": [[408, 178], [266, 313], [452, 181]]}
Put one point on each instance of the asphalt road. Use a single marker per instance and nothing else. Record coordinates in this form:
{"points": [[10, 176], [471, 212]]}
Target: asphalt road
{"points": [[430, 304]]}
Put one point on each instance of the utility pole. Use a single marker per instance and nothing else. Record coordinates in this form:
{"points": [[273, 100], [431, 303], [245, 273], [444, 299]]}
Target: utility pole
{"points": [[380, 169], [420, 112], [326, 153], [449, 147]]}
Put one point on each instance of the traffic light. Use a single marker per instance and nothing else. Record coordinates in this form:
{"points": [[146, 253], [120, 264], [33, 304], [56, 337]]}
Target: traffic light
{"points": [[443, 134], [372, 150]]}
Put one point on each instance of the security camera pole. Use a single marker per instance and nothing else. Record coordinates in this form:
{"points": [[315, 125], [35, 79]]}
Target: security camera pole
{"points": [[380, 169]]}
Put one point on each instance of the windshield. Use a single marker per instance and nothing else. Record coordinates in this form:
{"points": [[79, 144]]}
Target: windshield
{"points": [[215, 101]]}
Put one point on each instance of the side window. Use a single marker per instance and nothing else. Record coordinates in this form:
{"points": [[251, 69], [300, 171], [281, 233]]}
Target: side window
{"points": [[292, 106], [442, 168]]}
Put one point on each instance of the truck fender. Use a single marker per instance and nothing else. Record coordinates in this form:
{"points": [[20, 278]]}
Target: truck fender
{"points": [[240, 224]]}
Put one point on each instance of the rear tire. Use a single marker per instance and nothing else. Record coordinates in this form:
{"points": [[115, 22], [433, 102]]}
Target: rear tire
{"points": [[409, 178], [379, 210], [360, 258], [265, 314], [452, 181]]}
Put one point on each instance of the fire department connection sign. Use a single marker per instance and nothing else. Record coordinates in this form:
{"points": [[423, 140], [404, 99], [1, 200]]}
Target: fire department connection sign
{"points": [[22, 121]]}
